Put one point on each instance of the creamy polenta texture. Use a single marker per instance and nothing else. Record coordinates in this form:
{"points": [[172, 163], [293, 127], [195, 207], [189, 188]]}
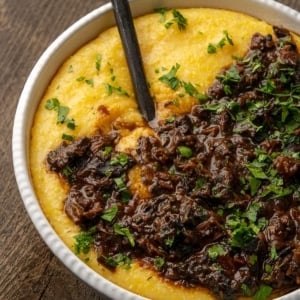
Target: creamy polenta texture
{"points": [[95, 85]]}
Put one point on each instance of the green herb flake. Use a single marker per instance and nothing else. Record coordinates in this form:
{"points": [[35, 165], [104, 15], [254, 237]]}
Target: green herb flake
{"points": [[67, 137], [67, 171], [257, 171], [226, 39], [185, 151], [200, 183], [254, 185], [273, 253], [163, 12], [215, 251], [90, 82], [84, 240], [121, 159], [109, 214], [115, 89], [246, 290], [252, 212], [242, 236], [52, 104], [62, 113], [87, 81], [253, 259], [211, 48], [178, 19], [71, 124], [268, 268], [124, 231], [159, 262], [170, 78], [107, 150], [119, 259], [263, 292], [70, 69], [120, 183], [169, 242], [98, 62]]}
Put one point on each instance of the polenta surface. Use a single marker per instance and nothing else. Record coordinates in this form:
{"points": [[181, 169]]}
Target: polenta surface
{"points": [[95, 85]]}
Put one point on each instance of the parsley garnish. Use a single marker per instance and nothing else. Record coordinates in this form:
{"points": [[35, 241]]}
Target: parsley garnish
{"points": [[200, 183], [178, 19], [170, 78], [212, 48], [67, 137], [263, 292], [110, 89], [90, 81], [124, 231], [242, 236], [122, 188], [163, 12], [185, 151], [98, 62], [175, 83], [84, 241], [216, 250], [115, 89], [119, 259], [121, 159], [110, 214], [246, 290], [231, 76], [159, 262], [273, 253], [107, 150], [62, 113]]}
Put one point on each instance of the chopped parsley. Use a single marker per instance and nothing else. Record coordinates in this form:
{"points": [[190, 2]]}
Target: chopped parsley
{"points": [[98, 62], [212, 48], [119, 259], [171, 79], [107, 150], [263, 292], [178, 18], [159, 262], [110, 89], [185, 151], [89, 81], [110, 214], [163, 12], [67, 137], [124, 231], [121, 159], [62, 115], [216, 250], [84, 240]]}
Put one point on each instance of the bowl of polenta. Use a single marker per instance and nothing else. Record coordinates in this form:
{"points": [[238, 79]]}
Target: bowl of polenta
{"points": [[203, 201]]}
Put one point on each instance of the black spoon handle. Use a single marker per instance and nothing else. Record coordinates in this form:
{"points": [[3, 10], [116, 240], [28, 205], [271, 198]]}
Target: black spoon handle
{"points": [[133, 56]]}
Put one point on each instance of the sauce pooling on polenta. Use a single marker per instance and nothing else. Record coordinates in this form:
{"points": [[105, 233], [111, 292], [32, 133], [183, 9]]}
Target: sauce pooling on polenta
{"points": [[195, 199]]}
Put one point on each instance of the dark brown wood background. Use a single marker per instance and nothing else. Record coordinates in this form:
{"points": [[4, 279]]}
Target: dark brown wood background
{"points": [[28, 270]]}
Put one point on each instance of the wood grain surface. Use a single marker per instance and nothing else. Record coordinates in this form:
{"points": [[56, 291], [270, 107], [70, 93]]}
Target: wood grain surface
{"points": [[28, 270]]}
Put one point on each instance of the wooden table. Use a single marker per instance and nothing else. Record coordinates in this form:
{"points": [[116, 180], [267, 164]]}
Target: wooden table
{"points": [[28, 270]]}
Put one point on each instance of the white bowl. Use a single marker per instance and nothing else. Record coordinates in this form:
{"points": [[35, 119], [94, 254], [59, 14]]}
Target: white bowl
{"points": [[66, 44]]}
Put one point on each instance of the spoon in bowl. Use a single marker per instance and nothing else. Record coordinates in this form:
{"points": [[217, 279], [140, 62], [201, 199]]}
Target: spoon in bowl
{"points": [[134, 59]]}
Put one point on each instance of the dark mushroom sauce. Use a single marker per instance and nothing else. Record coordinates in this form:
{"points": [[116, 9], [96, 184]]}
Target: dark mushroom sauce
{"points": [[224, 210]]}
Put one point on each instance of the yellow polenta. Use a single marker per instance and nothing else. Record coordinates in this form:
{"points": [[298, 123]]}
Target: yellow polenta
{"points": [[83, 83]]}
